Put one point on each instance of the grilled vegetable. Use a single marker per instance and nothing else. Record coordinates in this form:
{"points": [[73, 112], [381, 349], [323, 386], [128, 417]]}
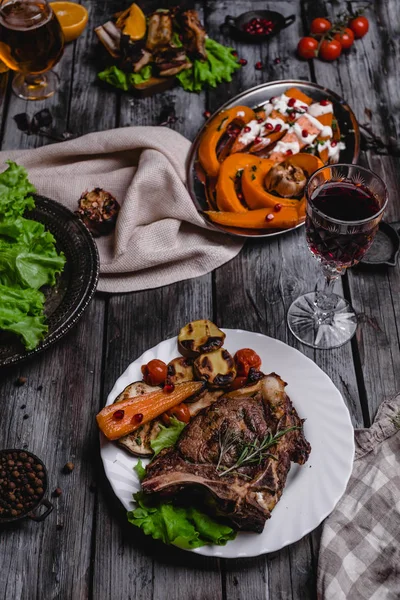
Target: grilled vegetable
{"points": [[138, 442], [217, 368], [138, 388], [99, 210], [198, 337], [180, 370], [286, 180], [117, 421]]}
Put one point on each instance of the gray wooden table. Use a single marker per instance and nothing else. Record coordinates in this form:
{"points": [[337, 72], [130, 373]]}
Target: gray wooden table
{"points": [[85, 549]]}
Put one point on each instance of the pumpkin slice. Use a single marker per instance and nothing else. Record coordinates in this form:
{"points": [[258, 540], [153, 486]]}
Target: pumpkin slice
{"points": [[132, 413], [253, 188], [298, 95], [226, 194], [199, 336], [216, 368], [286, 218]]}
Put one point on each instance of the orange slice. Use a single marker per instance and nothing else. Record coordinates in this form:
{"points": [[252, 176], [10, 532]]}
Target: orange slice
{"points": [[132, 22], [72, 18]]}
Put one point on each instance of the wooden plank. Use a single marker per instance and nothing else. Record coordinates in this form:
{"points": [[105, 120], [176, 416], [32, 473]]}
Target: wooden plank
{"points": [[52, 416], [358, 78], [144, 568]]}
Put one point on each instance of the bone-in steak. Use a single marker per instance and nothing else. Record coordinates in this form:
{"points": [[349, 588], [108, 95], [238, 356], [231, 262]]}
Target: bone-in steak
{"points": [[214, 441]]}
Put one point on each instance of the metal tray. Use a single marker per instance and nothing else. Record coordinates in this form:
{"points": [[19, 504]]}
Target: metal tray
{"points": [[68, 299], [254, 97]]}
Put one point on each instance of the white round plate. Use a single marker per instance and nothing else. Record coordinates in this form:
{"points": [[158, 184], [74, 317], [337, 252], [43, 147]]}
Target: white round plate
{"points": [[311, 490]]}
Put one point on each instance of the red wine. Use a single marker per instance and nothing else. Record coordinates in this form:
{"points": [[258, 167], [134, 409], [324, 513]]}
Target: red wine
{"points": [[341, 245]]}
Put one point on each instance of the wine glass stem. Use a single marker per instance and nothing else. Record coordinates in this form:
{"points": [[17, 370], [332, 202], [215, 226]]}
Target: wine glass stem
{"points": [[326, 300]]}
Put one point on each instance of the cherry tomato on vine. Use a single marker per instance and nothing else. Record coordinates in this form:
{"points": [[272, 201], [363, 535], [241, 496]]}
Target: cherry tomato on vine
{"points": [[346, 38], [307, 48], [330, 50], [320, 25], [245, 359], [155, 372], [359, 26]]}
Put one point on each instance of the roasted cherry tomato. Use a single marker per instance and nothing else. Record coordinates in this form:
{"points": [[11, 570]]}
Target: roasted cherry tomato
{"points": [[320, 25], [180, 412], [244, 360], [155, 372], [345, 37], [238, 383], [330, 50], [307, 48], [359, 26]]}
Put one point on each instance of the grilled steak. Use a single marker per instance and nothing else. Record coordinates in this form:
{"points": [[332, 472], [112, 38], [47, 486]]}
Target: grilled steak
{"points": [[207, 462]]}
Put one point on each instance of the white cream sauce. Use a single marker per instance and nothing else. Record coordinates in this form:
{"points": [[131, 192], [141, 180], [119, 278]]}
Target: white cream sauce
{"points": [[325, 130], [241, 113], [247, 137], [317, 109], [298, 130], [285, 146], [274, 123], [333, 151]]}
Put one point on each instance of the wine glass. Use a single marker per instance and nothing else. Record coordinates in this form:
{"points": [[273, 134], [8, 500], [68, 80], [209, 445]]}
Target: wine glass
{"points": [[344, 205], [31, 42]]}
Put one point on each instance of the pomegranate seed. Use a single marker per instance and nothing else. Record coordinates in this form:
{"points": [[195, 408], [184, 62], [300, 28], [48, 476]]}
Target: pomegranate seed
{"points": [[243, 62], [289, 152], [234, 53], [119, 414], [305, 108], [257, 140], [278, 127], [277, 207], [206, 114], [269, 126], [258, 65], [304, 133], [324, 102], [260, 120], [246, 129], [292, 116], [240, 195], [277, 60], [138, 418], [272, 99], [292, 102], [333, 144], [168, 388], [269, 217]]}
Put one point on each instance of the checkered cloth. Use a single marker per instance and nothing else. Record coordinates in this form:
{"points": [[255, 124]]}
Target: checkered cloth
{"points": [[359, 557]]}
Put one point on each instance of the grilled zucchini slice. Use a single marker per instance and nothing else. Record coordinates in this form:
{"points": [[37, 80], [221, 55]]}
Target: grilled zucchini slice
{"points": [[198, 337], [180, 369], [217, 368]]}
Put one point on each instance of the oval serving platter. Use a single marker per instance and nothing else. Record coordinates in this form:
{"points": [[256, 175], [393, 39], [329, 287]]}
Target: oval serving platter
{"points": [[311, 491], [254, 97], [67, 300]]}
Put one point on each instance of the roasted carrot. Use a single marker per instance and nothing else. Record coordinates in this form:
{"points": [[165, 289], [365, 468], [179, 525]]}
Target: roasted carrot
{"points": [[263, 218], [122, 418]]}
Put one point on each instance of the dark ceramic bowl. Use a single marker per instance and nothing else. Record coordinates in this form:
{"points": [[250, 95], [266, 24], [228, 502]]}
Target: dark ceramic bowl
{"points": [[33, 512], [235, 25], [68, 299], [385, 247]]}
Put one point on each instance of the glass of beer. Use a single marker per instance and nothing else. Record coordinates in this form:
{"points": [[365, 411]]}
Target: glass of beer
{"points": [[31, 43]]}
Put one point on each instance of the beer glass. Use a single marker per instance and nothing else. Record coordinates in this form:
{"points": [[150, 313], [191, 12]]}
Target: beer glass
{"points": [[31, 43]]}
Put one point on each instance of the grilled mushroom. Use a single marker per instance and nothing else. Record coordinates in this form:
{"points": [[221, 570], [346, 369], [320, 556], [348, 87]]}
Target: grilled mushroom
{"points": [[217, 368], [286, 180], [180, 370], [198, 337]]}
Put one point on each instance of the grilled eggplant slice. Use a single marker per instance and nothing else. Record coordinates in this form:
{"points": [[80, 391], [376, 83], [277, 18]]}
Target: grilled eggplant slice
{"points": [[217, 368], [199, 337], [180, 369]]}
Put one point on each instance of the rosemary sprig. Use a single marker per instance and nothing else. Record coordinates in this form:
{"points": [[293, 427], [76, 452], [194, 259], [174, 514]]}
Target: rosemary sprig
{"points": [[251, 454]]}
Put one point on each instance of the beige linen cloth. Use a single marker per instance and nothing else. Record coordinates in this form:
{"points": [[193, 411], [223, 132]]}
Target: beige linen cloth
{"points": [[359, 556], [159, 238]]}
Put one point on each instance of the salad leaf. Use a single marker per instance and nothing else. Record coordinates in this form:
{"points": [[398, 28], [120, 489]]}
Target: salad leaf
{"points": [[183, 527], [140, 470], [143, 75], [14, 190], [219, 67], [115, 77], [30, 328], [168, 436], [123, 81]]}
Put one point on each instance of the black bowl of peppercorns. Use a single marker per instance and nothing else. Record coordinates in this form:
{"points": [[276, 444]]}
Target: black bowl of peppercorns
{"points": [[23, 484]]}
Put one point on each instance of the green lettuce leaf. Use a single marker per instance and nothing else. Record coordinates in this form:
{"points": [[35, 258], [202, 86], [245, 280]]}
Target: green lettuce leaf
{"points": [[140, 470], [21, 312], [219, 67], [123, 81], [168, 436], [183, 527], [115, 77], [143, 75], [14, 191]]}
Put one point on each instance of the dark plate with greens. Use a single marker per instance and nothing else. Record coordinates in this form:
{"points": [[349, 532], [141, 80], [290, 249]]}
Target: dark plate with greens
{"points": [[65, 297]]}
